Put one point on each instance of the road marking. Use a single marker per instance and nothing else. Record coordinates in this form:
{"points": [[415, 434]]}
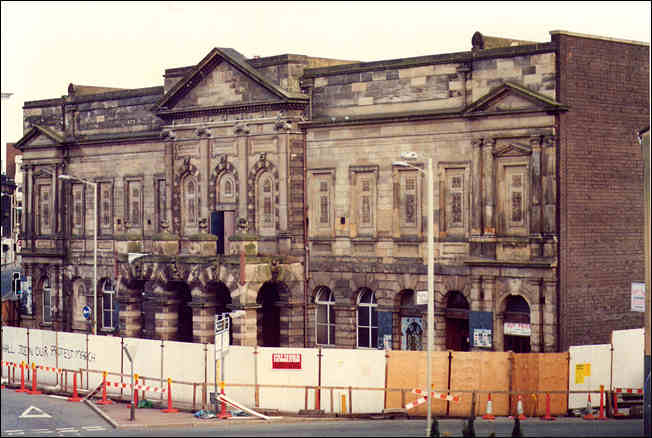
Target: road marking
{"points": [[41, 431], [67, 429], [93, 428], [39, 414]]}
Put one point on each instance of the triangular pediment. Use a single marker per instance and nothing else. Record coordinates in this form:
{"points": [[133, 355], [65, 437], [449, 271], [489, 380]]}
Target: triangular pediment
{"points": [[513, 149], [223, 78], [511, 98], [40, 136]]}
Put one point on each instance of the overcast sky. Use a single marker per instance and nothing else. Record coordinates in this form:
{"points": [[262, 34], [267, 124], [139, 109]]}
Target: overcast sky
{"points": [[47, 45]]}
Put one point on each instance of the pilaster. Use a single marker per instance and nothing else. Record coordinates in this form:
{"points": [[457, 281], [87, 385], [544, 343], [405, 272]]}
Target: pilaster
{"points": [[488, 184]]}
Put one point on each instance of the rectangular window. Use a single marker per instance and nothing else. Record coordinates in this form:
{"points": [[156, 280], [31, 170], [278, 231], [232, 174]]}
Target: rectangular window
{"points": [[107, 310], [321, 221], [363, 197], [408, 199], [454, 200], [44, 208], [134, 203], [47, 305], [515, 196], [105, 204], [161, 201]]}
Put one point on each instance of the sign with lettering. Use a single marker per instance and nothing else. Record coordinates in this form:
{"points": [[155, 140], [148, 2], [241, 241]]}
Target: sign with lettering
{"points": [[286, 361], [638, 297], [517, 329]]}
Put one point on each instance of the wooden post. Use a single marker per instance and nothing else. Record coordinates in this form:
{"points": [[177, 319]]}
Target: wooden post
{"points": [[350, 401]]}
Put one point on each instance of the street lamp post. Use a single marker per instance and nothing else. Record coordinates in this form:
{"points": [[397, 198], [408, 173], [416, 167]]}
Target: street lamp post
{"points": [[94, 185], [431, 277]]}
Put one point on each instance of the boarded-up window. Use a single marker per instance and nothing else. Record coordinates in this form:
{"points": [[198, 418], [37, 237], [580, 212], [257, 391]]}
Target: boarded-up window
{"points": [[265, 213], [77, 209], [409, 201], [45, 209], [321, 209], [514, 199], [455, 196], [134, 203]]}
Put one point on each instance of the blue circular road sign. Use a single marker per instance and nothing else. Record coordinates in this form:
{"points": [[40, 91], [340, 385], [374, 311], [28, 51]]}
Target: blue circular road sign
{"points": [[86, 312]]}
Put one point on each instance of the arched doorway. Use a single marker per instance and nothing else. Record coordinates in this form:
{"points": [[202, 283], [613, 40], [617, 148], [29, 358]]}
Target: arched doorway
{"points": [[517, 325], [410, 322], [269, 315], [457, 322]]}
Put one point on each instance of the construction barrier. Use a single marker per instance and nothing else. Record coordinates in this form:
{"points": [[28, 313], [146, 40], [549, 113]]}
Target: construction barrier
{"points": [[34, 390], [22, 378], [170, 409], [489, 412], [548, 417], [75, 396]]}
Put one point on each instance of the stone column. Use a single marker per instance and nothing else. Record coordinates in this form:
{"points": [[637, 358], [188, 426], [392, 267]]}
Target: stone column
{"points": [[535, 317], [549, 182], [28, 206], [550, 322], [476, 188], [489, 290], [166, 315], [535, 187], [488, 184], [203, 306], [204, 172], [477, 298], [131, 322], [248, 335], [241, 131]]}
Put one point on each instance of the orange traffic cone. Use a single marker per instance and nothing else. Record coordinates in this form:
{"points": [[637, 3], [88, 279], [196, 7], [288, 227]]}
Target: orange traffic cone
{"points": [[488, 415], [104, 401], [22, 378], [589, 408], [170, 409], [519, 409], [75, 396]]}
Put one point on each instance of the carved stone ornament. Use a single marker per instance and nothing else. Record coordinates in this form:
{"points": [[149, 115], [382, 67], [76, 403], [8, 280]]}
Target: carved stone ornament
{"points": [[241, 128]]}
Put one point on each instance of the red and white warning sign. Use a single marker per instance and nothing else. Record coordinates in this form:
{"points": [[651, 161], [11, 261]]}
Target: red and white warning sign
{"points": [[286, 361]]}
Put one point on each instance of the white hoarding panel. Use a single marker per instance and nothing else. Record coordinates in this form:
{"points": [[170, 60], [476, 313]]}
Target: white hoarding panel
{"points": [[291, 367], [355, 368], [238, 369], [106, 352], [72, 355], [146, 354], [590, 367], [628, 357], [14, 350], [43, 352], [183, 362]]}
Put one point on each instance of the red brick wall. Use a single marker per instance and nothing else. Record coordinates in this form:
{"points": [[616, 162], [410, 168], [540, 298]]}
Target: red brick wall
{"points": [[11, 160], [606, 87]]}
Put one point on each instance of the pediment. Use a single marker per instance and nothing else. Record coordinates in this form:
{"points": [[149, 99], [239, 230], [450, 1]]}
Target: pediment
{"points": [[38, 137], [513, 149], [223, 78], [511, 98]]}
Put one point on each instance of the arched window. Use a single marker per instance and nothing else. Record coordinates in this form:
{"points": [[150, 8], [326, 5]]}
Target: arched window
{"points": [[226, 189], [367, 319], [47, 300], [190, 206], [265, 210], [325, 316], [108, 305]]}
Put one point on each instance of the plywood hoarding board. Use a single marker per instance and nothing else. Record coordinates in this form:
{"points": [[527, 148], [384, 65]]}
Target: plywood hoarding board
{"points": [[407, 369], [483, 372]]}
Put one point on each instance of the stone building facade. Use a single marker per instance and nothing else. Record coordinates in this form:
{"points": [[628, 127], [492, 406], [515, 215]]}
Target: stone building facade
{"points": [[270, 186]]}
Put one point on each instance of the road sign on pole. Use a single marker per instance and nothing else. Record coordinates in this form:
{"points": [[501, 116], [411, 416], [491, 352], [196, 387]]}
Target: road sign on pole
{"points": [[86, 312]]}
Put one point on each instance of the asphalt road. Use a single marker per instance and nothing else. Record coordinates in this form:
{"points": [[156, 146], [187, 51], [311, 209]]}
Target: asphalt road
{"points": [[41, 415]]}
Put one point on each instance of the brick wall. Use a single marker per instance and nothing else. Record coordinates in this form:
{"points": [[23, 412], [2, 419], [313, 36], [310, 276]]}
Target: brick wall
{"points": [[606, 87]]}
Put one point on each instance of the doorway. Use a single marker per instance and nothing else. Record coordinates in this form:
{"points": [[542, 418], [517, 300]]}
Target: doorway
{"points": [[269, 315], [457, 322], [517, 329]]}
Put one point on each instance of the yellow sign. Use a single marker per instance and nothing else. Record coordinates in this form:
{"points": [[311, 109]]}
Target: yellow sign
{"points": [[582, 370]]}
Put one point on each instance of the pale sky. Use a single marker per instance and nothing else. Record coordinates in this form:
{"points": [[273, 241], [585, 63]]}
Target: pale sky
{"points": [[47, 45]]}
